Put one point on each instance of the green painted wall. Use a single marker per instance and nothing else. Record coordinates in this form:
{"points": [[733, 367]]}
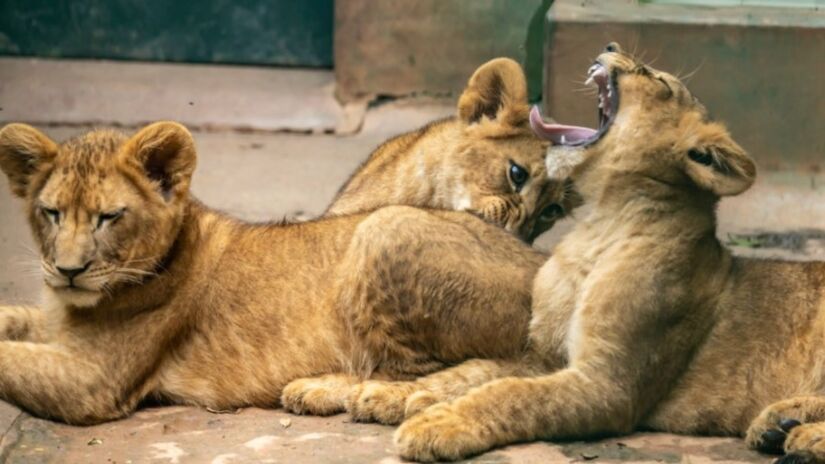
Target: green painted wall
{"points": [[278, 32]]}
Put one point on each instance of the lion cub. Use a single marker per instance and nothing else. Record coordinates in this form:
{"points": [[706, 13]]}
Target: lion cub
{"points": [[149, 293], [485, 161], [641, 317]]}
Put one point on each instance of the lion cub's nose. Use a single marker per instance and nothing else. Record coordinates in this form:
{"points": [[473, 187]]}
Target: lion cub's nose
{"points": [[72, 272]]}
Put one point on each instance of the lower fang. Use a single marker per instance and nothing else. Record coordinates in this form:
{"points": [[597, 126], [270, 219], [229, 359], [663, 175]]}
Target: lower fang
{"points": [[563, 139], [589, 81]]}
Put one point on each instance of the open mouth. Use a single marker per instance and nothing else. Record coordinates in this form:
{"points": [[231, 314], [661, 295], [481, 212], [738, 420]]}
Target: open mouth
{"points": [[561, 134]]}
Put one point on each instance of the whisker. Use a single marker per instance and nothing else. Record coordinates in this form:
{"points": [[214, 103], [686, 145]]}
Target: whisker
{"points": [[141, 260], [106, 289], [128, 270], [24, 246], [654, 60], [690, 75]]}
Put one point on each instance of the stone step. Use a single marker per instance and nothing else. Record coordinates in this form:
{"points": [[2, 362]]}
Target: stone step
{"points": [[84, 92]]}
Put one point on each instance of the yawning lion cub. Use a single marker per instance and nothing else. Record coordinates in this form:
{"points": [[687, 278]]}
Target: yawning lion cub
{"points": [[641, 317]]}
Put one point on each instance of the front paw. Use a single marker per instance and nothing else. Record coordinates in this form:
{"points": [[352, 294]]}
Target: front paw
{"points": [[314, 396], [768, 432], [419, 401], [377, 401], [439, 433], [805, 444]]}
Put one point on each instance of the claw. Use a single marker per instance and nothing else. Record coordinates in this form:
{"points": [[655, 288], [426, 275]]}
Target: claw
{"points": [[788, 424]]}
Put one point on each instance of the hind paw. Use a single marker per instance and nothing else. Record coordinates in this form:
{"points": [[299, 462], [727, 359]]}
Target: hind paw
{"points": [[805, 443], [769, 431]]}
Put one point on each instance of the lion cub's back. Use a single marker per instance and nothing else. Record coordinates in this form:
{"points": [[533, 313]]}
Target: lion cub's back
{"points": [[768, 336], [393, 174]]}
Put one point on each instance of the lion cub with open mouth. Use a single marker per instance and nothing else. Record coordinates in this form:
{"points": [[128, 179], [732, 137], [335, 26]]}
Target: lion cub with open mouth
{"points": [[641, 317]]}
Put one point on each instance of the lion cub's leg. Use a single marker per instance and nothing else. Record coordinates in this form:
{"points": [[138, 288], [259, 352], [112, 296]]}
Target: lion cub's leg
{"points": [[50, 381], [392, 402], [416, 306], [318, 396], [22, 323], [384, 401], [805, 444], [793, 426]]}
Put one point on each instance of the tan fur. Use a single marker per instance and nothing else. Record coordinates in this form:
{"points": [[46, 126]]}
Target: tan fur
{"points": [[641, 317], [462, 163], [175, 301]]}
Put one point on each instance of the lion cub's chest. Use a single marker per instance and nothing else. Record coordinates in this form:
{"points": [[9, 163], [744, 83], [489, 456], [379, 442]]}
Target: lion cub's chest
{"points": [[559, 287]]}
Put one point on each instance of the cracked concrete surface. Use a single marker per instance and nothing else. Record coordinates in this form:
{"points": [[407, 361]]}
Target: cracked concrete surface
{"points": [[261, 176]]}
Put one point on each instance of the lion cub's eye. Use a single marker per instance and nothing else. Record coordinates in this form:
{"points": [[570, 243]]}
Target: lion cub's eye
{"points": [[518, 175], [110, 217], [701, 157], [51, 214], [552, 212]]}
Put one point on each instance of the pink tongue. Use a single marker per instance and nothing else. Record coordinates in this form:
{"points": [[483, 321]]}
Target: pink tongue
{"points": [[558, 133]]}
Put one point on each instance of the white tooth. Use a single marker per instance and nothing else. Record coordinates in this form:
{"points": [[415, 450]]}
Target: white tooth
{"points": [[601, 103], [609, 93], [589, 81], [563, 139], [593, 69]]}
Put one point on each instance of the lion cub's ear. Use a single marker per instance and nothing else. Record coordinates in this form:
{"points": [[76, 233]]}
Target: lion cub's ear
{"points": [[166, 153], [497, 90], [22, 150], [723, 168]]}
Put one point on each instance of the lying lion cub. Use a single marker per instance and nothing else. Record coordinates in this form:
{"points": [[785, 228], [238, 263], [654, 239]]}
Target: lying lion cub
{"points": [[646, 319], [149, 293], [485, 161]]}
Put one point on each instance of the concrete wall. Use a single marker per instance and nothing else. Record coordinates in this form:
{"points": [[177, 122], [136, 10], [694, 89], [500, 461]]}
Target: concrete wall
{"points": [[402, 47]]}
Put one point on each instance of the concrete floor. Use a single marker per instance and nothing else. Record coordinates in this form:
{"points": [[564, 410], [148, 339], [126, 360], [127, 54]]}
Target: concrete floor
{"points": [[261, 176]]}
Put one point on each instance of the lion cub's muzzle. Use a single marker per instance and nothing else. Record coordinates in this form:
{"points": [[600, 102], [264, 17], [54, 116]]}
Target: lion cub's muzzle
{"points": [[71, 272], [570, 141]]}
